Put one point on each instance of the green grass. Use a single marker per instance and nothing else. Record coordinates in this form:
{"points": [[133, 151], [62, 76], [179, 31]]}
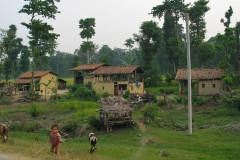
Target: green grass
{"points": [[165, 89], [70, 81], [211, 138]]}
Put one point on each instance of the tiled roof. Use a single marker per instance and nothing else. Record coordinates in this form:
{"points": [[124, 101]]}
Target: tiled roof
{"points": [[39, 73], [24, 81], [199, 74], [88, 66], [106, 70]]}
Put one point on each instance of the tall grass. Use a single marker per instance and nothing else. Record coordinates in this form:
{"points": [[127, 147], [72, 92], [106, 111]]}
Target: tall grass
{"points": [[81, 108]]}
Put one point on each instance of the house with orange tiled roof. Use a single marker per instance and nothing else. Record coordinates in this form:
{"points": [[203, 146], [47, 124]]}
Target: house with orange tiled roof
{"points": [[40, 77], [209, 80], [82, 73], [115, 80]]}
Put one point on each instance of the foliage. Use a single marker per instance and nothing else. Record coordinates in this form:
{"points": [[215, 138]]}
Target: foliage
{"points": [[80, 108], [12, 47], [126, 94], [150, 112], [161, 102], [34, 110], [83, 92], [70, 127], [31, 127], [169, 90], [227, 81], [87, 25], [169, 78], [41, 39], [181, 99], [104, 95], [4, 100], [232, 102], [152, 78], [95, 122], [149, 39]]}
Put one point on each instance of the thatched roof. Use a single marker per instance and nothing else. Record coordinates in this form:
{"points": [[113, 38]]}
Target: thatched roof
{"points": [[116, 105], [107, 70], [88, 66], [201, 74]]}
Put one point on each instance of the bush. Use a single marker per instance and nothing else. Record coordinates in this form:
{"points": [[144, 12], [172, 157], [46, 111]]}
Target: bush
{"points": [[161, 103], [181, 99], [84, 93], [34, 111], [126, 94], [150, 112], [169, 90], [95, 122], [104, 95], [70, 127], [31, 127]]}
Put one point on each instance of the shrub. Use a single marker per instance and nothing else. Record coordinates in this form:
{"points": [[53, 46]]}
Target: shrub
{"points": [[5, 101], [181, 99], [31, 127], [34, 111], [70, 127], [169, 90], [126, 94], [169, 78], [83, 92], [161, 103], [104, 95], [150, 112], [95, 122]]}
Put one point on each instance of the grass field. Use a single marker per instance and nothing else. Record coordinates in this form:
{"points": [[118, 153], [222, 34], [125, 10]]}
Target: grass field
{"points": [[215, 134]]}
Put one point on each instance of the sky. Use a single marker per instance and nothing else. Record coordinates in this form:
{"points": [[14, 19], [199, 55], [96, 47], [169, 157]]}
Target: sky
{"points": [[116, 20]]}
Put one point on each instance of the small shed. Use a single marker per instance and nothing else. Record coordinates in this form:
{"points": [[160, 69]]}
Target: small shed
{"points": [[62, 84], [115, 111], [209, 80]]}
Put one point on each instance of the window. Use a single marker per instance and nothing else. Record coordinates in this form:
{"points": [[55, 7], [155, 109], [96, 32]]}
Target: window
{"points": [[203, 85], [213, 85]]}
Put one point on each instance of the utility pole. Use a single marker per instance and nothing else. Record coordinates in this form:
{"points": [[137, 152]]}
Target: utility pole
{"points": [[189, 77]]}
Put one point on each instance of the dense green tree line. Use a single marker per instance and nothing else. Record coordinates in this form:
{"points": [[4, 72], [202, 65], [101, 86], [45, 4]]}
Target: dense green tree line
{"points": [[161, 49]]}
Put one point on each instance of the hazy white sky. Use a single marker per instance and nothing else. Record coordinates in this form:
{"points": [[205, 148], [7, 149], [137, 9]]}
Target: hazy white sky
{"points": [[116, 20]]}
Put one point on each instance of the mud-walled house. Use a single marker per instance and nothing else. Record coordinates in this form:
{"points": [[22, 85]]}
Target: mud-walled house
{"points": [[115, 80], [82, 73], [209, 80], [40, 77]]}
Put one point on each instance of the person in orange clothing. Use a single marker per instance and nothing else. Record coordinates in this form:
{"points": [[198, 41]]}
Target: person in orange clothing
{"points": [[55, 139]]}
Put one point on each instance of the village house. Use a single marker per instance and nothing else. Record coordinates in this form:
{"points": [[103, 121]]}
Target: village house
{"points": [[209, 80], [115, 80], [82, 73], [40, 78]]}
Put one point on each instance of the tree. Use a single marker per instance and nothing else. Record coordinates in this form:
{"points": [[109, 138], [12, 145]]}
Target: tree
{"points": [[129, 43], [40, 32], [24, 59], [227, 48], [12, 47], [173, 9], [87, 32], [237, 48], [207, 53], [198, 28], [149, 41]]}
